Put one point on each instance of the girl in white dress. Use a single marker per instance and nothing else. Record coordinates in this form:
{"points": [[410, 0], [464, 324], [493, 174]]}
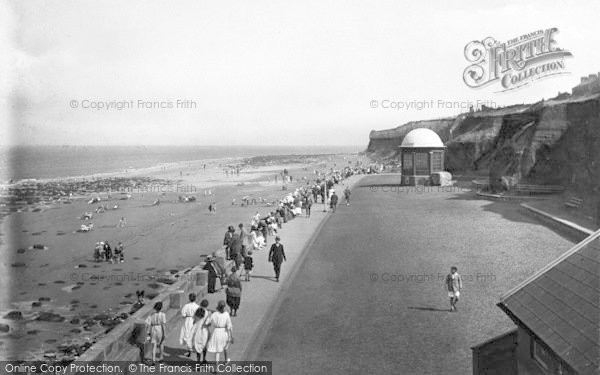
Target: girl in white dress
{"points": [[200, 333], [222, 334], [157, 324], [187, 312]]}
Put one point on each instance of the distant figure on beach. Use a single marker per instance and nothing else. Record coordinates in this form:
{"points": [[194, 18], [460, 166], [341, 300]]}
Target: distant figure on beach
{"points": [[122, 222], [222, 334], [156, 202], [454, 285], [187, 312], [98, 251], [277, 256], [234, 291], [157, 332], [107, 251], [119, 253]]}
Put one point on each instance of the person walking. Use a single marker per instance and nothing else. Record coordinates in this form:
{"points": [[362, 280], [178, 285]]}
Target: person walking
{"points": [[227, 240], [200, 333], [277, 256], [347, 195], [248, 265], [454, 285], [244, 238], [333, 201], [222, 335], [307, 203], [235, 245], [234, 291], [212, 273], [157, 330], [187, 312]]}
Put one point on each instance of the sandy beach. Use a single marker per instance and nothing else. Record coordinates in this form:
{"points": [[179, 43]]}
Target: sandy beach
{"points": [[60, 296]]}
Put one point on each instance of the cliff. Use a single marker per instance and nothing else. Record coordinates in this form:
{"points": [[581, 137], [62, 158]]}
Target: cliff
{"points": [[550, 142]]}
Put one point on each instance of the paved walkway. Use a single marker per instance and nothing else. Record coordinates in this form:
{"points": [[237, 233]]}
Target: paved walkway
{"points": [[370, 294], [259, 295]]}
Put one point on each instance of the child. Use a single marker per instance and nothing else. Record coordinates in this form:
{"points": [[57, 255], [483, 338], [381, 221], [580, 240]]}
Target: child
{"points": [[98, 252], [248, 265], [200, 333], [454, 285], [119, 256], [157, 323]]}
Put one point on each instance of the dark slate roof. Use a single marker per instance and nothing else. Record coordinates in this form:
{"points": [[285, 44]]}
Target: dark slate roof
{"points": [[560, 304]]}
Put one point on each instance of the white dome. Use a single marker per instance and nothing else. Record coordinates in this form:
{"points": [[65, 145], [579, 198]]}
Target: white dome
{"points": [[422, 138]]}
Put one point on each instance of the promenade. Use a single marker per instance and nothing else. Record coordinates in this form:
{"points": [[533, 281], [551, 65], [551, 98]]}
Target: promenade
{"points": [[365, 292], [370, 296], [261, 293]]}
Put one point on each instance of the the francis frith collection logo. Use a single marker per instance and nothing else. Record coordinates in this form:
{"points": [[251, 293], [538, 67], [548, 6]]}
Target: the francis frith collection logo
{"points": [[514, 63]]}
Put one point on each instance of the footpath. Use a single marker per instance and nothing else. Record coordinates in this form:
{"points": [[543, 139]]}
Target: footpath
{"points": [[260, 295]]}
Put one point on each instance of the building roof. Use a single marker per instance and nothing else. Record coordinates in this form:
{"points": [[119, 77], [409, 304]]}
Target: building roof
{"points": [[560, 304], [422, 137]]}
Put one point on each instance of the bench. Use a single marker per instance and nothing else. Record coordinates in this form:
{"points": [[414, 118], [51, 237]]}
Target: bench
{"points": [[481, 185], [574, 202], [538, 189]]}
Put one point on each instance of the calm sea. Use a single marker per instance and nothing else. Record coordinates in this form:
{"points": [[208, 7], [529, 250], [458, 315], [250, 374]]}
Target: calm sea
{"points": [[22, 162]]}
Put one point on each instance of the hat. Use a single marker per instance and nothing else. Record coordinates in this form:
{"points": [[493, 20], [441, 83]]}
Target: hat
{"points": [[277, 238]]}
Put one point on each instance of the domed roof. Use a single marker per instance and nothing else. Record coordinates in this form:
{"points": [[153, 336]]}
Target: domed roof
{"points": [[422, 138]]}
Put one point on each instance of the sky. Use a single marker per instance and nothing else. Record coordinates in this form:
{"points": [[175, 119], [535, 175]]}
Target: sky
{"points": [[259, 72]]}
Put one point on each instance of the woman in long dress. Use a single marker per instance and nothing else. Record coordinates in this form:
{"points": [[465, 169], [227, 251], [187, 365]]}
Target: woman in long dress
{"points": [[234, 291], [157, 324], [187, 312], [222, 334], [200, 333]]}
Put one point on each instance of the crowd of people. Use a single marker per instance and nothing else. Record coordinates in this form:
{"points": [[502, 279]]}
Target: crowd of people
{"points": [[211, 331], [203, 330], [104, 252], [243, 243]]}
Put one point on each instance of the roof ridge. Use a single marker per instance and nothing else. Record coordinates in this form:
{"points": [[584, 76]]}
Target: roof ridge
{"points": [[551, 265]]}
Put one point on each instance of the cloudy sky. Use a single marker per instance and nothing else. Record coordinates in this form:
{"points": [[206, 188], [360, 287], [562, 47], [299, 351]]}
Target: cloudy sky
{"points": [[258, 72]]}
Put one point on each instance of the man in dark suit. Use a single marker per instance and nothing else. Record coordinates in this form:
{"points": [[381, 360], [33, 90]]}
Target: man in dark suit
{"points": [[277, 256], [227, 241]]}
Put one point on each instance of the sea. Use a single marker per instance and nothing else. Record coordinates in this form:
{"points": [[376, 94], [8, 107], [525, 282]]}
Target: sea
{"points": [[53, 162]]}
